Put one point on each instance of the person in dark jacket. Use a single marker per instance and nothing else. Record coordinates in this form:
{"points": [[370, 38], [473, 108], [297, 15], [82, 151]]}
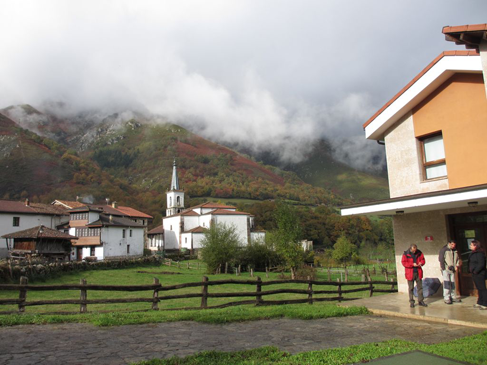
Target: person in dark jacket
{"points": [[413, 261], [476, 266], [449, 264]]}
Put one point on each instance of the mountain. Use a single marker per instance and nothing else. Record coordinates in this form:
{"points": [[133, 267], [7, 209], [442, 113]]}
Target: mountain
{"points": [[128, 157], [131, 161], [41, 168]]}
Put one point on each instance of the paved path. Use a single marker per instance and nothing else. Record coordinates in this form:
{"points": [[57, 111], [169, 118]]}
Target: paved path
{"points": [[87, 344]]}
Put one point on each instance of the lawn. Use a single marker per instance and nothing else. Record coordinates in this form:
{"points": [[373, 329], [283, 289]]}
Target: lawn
{"points": [[112, 314], [471, 349]]}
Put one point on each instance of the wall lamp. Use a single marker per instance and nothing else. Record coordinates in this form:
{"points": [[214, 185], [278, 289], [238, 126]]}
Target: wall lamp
{"points": [[473, 204], [399, 212]]}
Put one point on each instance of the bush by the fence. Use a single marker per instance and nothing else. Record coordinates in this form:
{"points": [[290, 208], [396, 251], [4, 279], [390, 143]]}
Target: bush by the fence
{"points": [[37, 271]]}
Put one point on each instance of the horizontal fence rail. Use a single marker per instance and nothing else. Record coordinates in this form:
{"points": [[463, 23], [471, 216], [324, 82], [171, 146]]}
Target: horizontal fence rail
{"points": [[159, 292]]}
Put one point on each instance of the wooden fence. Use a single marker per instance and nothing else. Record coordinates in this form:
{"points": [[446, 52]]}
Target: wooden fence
{"points": [[159, 293]]}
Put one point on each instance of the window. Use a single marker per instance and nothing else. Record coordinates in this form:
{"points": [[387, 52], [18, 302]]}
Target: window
{"points": [[123, 233], [128, 249], [92, 251], [16, 221], [434, 163], [130, 233]]}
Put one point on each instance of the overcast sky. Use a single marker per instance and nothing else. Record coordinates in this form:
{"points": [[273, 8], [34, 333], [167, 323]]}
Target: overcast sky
{"points": [[264, 73]]}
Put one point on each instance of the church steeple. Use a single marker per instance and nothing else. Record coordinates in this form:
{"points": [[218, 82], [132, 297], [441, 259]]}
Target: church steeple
{"points": [[175, 195], [175, 180]]}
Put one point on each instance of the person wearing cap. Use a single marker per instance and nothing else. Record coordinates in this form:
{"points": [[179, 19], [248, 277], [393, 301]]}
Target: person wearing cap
{"points": [[449, 263], [413, 261]]}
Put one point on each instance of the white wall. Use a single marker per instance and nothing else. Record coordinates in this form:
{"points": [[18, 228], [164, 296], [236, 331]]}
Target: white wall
{"points": [[155, 242], [238, 221], [171, 236], [116, 246]]}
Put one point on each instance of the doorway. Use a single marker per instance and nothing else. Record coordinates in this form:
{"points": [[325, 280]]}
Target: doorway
{"points": [[464, 228]]}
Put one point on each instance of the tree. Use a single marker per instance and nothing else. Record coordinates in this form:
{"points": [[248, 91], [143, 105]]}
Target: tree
{"points": [[287, 237], [343, 250], [220, 246]]}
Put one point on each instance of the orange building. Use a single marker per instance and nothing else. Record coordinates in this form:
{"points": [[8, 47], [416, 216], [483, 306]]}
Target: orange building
{"points": [[434, 133]]}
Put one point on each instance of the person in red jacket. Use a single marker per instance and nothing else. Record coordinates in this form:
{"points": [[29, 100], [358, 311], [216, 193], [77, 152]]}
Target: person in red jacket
{"points": [[413, 261]]}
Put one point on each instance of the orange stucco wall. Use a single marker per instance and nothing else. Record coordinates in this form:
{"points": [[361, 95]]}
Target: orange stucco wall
{"points": [[458, 108]]}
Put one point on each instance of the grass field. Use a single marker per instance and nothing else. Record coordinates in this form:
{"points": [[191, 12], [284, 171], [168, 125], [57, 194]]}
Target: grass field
{"points": [[471, 349], [107, 314]]}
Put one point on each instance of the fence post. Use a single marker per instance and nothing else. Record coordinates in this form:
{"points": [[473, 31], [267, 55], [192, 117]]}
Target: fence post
{"points": [[339, 290], [204, 293], [251, 273], [23, 293], [226, 267], [258, 298], [386, 275], [310, 291], [155, 296], [83, 296], [346, 274], [371, 288], [368, 274], [239, 269], [179, 265]]}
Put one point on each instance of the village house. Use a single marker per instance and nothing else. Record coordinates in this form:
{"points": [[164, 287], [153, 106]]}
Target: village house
{"points": [[184, 228], [434, 134], [103, 235], [18, 216]]}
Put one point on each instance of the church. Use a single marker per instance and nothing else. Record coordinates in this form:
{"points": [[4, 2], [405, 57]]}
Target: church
{"points": [[184, 228]]}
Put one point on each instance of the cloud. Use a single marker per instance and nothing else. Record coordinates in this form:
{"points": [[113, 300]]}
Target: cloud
{"points": [[267, 75]]}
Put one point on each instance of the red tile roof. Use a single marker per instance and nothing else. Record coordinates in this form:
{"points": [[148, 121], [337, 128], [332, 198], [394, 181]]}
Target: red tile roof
{"points": [[211, 205], [226, 212], [413, 81], [198, 229], [470, 35], [157, 230]]}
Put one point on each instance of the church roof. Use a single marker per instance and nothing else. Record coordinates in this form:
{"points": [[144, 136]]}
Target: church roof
{"points": [[226, 212], [174, 180], [198, 229], [211, 205]]}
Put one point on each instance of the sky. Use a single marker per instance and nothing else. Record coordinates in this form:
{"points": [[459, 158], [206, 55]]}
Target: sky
{"points": [[260, 74]]}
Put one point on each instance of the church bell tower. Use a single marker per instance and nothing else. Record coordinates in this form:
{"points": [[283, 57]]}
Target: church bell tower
{"points": [[175, 196]]}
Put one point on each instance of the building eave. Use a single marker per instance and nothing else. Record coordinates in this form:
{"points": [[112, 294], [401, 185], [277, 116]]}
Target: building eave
{"points": [[437, 72], [448, 199]]}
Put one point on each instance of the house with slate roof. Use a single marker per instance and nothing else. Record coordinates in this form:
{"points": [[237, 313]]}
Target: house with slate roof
{"points": [[17, 216], [434, 133], [40, 240], [184, 228]]}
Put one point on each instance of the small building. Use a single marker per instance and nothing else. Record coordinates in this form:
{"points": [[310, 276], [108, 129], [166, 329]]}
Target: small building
{"points": [[40, 240], [17, 216], [434, 134], [155, 241]]}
